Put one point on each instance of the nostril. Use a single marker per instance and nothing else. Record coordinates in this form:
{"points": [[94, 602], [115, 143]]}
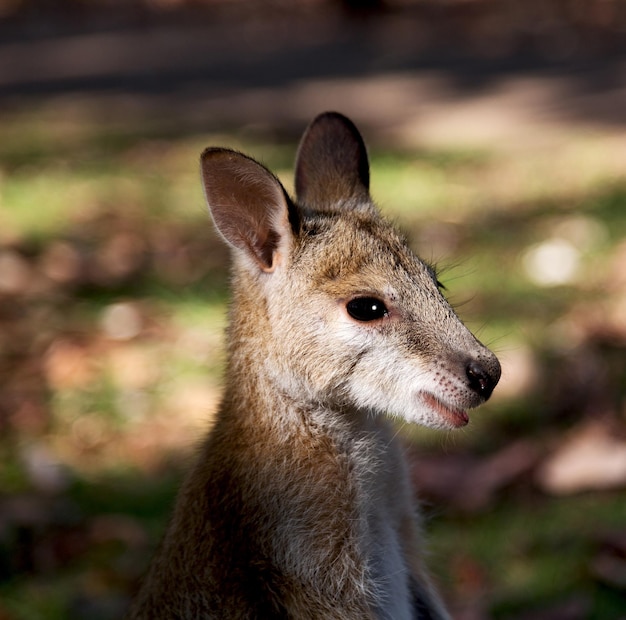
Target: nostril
{"points": [[480, 380]]}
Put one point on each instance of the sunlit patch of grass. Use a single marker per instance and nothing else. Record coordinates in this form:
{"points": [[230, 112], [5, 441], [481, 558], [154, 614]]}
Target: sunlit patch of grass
{"points": [[50, 178], [48, 201], [420, 183]]}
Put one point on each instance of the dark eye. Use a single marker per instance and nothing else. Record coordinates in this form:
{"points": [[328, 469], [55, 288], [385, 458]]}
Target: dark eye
{"points": [[366, 309]]}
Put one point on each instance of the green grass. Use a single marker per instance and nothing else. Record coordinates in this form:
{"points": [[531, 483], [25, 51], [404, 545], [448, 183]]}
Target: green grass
{"points": [[530, 554]]}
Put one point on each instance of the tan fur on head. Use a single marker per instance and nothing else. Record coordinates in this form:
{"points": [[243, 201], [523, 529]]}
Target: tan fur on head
{"points": [[299, 505]]}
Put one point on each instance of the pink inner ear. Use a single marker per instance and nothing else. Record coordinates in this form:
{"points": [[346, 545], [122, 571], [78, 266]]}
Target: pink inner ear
{"points": [[247, 202], [266, 249]]}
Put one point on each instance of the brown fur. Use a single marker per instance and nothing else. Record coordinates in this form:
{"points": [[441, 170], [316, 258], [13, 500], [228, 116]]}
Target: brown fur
{"points": [[299, 505]]}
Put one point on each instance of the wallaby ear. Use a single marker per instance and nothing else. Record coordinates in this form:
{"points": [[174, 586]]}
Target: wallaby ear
{"points": [[248, 204], [331, 165]]}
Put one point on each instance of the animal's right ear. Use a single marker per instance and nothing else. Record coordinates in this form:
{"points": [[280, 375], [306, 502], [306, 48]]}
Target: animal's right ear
{"points": [[332, 165], [248, 204]]}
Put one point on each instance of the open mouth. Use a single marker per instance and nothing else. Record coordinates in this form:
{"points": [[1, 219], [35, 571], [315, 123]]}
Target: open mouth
{"points": [[453, 416]]}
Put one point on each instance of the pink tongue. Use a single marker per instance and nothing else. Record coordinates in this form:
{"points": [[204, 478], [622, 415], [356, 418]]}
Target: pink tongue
{"points": [[457, 417]]}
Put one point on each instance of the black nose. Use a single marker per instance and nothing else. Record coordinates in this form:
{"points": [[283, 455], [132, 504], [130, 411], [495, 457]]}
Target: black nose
{"points": [[482, 379]]}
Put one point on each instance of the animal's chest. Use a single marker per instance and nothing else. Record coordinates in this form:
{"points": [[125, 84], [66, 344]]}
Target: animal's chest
{"points": [[390, 506], [388, 571]]}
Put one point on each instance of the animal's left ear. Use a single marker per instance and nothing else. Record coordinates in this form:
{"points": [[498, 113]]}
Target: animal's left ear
{"points": [[332, 165]]}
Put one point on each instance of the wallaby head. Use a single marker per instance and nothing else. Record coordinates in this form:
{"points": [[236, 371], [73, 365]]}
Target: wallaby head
{"points": [[330, 304]]}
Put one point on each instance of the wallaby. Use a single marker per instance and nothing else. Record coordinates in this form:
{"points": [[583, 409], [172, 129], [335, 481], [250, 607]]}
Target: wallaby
{"points": [[299, 505]]}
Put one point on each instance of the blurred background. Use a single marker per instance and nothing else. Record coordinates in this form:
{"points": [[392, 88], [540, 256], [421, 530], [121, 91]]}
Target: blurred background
{"points": [[497, 134]]}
